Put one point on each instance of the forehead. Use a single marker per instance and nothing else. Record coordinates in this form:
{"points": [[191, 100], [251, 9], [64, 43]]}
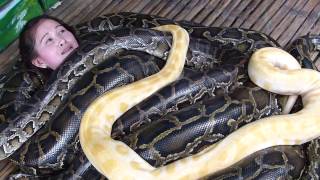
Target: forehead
{"points": [[45, 26]]}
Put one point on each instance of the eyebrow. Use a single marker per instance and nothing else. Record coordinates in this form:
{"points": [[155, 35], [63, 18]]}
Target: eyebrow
{"points": [[48, 33], [43, 37], [58, 26]]}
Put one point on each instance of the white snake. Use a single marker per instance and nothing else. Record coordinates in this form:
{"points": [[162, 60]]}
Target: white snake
{"points": [[268, 68]]}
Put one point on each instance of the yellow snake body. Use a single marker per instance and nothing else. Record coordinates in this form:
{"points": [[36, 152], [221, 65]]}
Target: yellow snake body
{"points": [[270, 68], [112, 157]]}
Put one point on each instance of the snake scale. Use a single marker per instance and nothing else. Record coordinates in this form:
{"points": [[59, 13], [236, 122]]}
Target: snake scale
{"points": [[214, 84]]}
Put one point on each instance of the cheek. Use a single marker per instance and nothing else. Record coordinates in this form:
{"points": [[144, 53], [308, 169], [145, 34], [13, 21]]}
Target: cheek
{"points": [[70, 37], [47, 53], [50, 55]]}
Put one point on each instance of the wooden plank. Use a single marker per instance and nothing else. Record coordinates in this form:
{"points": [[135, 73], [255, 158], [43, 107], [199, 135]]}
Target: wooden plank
{"points": [[187, 10], [196, 10], [87, 12], [309, 23], [316, 28], [235, 13], [256, 14], [226, 13], [168, 8], [71, 16], [288, 19], [267, 16], [68, 10], [301, 16], [276, 19], [246, 13], [211, 6], [150, 6], [111, 6], [140, 6], [122, 5], [216, 13], [132, 5], [160, 7], [97, 11], [6, 168], [9, 57], [178, 8]]}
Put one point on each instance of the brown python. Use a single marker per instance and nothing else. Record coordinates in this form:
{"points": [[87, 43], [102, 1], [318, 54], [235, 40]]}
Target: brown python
{"points": [[271, 68], [226, 46]]}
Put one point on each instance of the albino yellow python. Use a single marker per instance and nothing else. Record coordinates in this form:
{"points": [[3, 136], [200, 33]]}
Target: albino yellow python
{"points": [[267, 68]]}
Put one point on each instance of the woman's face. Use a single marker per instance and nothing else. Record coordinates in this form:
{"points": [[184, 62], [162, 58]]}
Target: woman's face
{"points": [[53, 43]]}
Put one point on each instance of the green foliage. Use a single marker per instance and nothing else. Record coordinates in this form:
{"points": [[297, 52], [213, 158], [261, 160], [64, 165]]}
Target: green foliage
{"points": [[46, 4], [14, 14]]}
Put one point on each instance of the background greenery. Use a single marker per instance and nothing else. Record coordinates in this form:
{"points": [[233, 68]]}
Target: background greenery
{"points": [[14, 14]]}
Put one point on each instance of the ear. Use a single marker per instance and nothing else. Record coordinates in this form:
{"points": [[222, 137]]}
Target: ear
{"points": [[38, 62]]}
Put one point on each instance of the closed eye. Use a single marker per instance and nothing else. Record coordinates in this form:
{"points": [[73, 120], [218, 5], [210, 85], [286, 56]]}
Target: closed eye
{"points": [[49, 40]]}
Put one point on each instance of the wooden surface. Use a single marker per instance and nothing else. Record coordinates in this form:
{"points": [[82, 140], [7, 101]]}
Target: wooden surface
{"points": [[284, 20]]}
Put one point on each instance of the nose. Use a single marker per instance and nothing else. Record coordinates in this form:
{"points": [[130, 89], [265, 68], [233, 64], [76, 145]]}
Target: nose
{"points": [[62, 42]]}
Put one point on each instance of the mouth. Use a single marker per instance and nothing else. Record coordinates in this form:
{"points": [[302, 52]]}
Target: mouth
{"points": [[67, 50]]}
